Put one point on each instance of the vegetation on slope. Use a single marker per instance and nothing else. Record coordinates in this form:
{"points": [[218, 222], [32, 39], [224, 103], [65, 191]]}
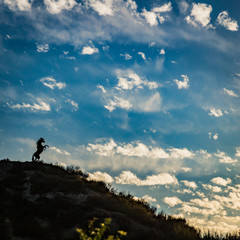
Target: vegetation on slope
{"points": [[43, 201]]}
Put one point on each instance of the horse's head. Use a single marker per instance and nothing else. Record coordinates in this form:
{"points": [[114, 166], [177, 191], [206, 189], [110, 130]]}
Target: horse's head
{"points": [[41, 140]]}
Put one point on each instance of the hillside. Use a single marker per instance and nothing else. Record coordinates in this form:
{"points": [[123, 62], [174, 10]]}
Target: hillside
{"points": [[43, 201]]}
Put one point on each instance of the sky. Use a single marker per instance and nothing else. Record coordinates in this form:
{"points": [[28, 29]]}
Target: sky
{"points": [[143, 95]]}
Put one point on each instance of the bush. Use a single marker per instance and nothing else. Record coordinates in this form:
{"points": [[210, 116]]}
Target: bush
{"points": [[97, 233]]}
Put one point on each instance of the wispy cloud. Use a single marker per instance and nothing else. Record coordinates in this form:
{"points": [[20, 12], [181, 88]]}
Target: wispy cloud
{"points": [[128, 80], [142, 55], [52, 83], [214, 112], [41, 105], [126, 56], [42, 48], [230, 92], [62, 152], [118, 102]]}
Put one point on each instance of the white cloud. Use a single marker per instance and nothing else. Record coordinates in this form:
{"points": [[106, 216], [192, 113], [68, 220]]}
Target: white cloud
{"points": [[182, 84], [230, 92], [142, 55], [231, 201], [89, 50], [100, 177], [118, 102], [62, 152], [167, 7], [102, 7], [221, 181], [224, 158], [56, 6], [128, 80], [181, 153], [73, 103], [26, 141], [214, 112], [103, 149], [200, 15], [21, 5], [151, 104], [39, 106], [237, 154], [186, 169], [183, 6], [162, 52], [138, 149], [151, 17], [212, 188], [126, 56], [42, 48], [148, 198], [189, 184], [213, 136], [102, 88], [52, 83], [203, 206], [224, 20], [127, 177], [172, 201]]}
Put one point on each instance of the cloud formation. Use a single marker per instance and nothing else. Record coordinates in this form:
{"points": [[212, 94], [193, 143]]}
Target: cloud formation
{"points": [[138, 149], [52, 83], [42, 48], [102, 7], [221, 181], [182, 84], [224, 20], [39, 106], [200, 15], [100, 177], [55, 6], [127, 177], [88, 50], [21, 5], [230, 92], [129, 80], [172, 201]]}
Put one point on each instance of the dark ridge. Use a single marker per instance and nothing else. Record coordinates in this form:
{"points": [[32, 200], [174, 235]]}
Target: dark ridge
{"points": [[45, 201]]}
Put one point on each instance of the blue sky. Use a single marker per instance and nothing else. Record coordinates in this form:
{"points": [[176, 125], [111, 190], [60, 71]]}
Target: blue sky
{"points": [[141, 94]]}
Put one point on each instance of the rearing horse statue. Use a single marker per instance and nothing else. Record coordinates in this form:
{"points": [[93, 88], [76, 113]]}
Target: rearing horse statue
{"points": [[40, 149]]}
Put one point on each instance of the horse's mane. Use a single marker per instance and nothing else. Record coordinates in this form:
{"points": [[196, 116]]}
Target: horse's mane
{"points": [[39, 141]]}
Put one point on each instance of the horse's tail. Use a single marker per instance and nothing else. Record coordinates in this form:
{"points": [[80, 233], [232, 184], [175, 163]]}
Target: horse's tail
{"points": [[34, 157]]}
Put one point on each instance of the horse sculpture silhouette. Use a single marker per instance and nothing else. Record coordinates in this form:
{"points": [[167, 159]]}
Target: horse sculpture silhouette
{"points": [[40, 149]]}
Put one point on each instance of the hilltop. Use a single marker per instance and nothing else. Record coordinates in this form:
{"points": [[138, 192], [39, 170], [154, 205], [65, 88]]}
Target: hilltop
{"points": [[44, 201]]}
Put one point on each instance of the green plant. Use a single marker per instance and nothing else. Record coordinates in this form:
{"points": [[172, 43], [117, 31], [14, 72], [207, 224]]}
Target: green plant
{"points": [[97, 233]]}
